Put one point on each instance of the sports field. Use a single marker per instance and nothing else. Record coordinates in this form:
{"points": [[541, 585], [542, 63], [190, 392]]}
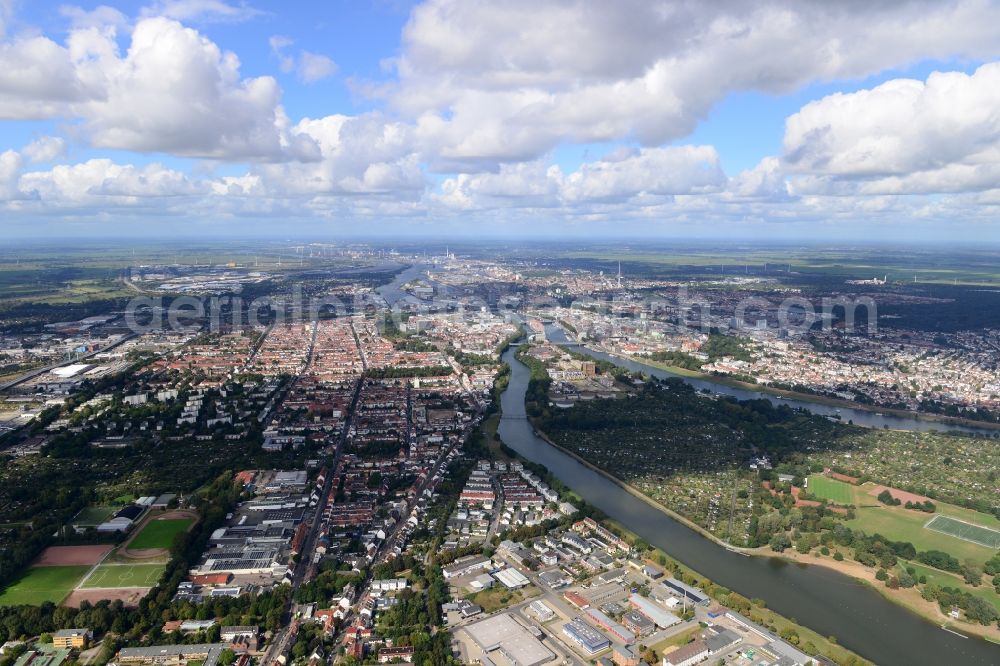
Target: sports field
{"points": [[41, 584], [159, 533], [93, 515], [124, 575], [901, 524], [984, 536], [827, 488]]}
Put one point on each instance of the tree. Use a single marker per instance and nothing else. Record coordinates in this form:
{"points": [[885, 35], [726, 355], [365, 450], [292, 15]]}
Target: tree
{"points": [[779, 542], [981, 611], [227, 657]]}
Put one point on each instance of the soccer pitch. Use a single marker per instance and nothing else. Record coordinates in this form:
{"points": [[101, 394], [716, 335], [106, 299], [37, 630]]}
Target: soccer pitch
{"points": [[40, 584], [826, 488], [984, 536], [159, 533], [124, 575]]}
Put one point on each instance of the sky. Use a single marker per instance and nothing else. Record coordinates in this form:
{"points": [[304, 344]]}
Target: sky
{"points": [[769, 119]]}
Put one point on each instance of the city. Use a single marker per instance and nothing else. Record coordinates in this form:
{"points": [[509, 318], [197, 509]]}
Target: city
{"points": [[508, 333]]}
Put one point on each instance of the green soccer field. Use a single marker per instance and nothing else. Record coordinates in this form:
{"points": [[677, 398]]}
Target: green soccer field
{"points": [[40, 584], [159, 533], [124, 575], [94, 515], [830, 489], [965, 531]]}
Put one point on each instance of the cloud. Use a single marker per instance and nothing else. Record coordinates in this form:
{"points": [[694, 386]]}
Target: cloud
{"points": [[490, 82], [904, 136], [202, 10], [6, 12], [45, 149], [172, 91], [10, 170], [315, 67], [308, 67], [101, 16], [99, 180], [278, 44], [623, 176], [365, 154]]}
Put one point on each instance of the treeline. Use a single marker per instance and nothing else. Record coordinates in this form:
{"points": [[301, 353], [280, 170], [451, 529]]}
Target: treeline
{"points": [[676, 359], [536, 398]]}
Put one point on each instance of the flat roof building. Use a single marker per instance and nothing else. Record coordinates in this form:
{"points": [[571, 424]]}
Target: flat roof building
{"points": [[659, 615], [502, 633], [72, 638], [588, 638]]}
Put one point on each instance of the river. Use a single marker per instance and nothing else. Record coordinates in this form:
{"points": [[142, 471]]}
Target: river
{"points": [[393, 292], [822, 599], [860, 417]]}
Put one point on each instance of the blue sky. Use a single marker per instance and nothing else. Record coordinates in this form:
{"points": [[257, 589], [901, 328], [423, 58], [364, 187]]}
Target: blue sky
{"points": [[772, 118]]}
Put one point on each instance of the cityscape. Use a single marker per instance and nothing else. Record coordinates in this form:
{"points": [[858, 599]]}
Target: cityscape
{"points": [[509, 334]]}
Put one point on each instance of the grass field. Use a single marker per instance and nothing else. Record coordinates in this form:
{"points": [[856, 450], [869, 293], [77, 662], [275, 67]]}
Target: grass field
{"points": [[124, 575], [900, 524], [831, 489], [159, 533], [41, 584], [944, 579], [93, 515], [984, 536]]}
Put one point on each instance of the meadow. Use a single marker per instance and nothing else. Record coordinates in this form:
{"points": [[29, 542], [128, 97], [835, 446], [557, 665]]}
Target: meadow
{"points": [[900, 524]]}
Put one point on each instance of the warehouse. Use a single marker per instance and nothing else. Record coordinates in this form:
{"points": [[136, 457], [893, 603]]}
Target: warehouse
{"points": [[503, 634], [610, 626], [591, 640], [653, 611], [511, 578]]}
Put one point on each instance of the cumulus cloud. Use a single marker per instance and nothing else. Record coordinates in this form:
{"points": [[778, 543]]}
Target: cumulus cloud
{"points": [[172, 91], [904, 136], [45, 149], [506, 81], [644, 175], [95, 180], [364, 154], [10, 170]]}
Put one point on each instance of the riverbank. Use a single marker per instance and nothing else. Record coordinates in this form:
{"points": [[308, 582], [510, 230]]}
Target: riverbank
{"points": [[825, 645], [834, 603], [802, 397], [909, 599]]}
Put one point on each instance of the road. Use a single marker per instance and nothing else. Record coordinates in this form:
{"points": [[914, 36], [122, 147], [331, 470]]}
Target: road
{"points": [[307, 569]]}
